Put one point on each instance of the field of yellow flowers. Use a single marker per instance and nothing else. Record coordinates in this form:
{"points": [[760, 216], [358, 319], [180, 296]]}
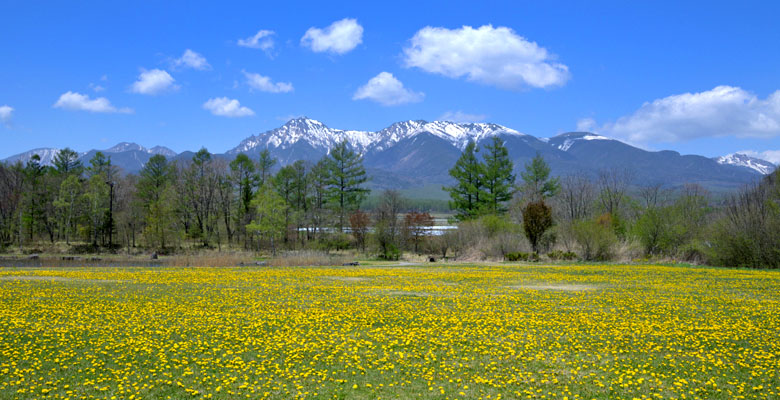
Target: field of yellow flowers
{"points": [[544, 332]]}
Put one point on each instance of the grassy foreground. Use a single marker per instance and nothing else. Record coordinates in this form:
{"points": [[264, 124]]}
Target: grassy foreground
{"points": [[472, 332]]}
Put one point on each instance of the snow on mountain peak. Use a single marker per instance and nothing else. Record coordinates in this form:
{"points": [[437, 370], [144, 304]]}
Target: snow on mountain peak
{"points": [[46, 155], [743, 160], [318, 135], [162, 150], [126, 146], [566, 140]]}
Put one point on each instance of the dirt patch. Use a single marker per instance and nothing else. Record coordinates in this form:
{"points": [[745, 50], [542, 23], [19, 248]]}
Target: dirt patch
{"points": [[347, 278], [408, 293], [566, 287]]}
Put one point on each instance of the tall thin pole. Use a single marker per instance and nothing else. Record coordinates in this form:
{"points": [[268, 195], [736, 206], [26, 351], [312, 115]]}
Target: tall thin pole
{"points": [[110, 215]]}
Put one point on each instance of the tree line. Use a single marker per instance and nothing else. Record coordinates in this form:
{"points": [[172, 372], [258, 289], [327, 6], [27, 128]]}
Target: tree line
{"points": [[605, 218], [254, 204], [205, 202]]}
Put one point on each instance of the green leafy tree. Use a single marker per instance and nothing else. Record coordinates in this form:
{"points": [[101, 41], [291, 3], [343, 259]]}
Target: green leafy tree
{"points": [[96, 200], [284, 182], [497, 177], [264, 166], [200, 187], [269, 221], [154, 191], [244, 178], [67, 204], [467, 193], [317, 214], [595, 237], [33, 199], [387, 227], [537, 184], [346, 175]]}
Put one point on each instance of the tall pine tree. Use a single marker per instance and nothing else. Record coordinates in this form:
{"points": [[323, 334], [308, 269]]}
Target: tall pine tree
{"points": [[67, 162], [346, 174], [537, 184], [466, 193], [497, 177]]}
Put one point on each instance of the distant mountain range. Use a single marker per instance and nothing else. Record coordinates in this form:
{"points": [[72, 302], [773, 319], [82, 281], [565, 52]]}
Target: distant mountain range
{"points": [[420, 153]]}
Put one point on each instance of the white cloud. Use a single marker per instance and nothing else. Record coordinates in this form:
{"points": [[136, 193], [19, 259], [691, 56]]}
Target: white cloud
{"points": [[338, 38], [96, 88], [6, 112], [191, 59], [461, 117], [772, 156], [225, 107], [261, 40], [492, 56], [153, 82], [264, 83], [586, 125], [80, 102], [385, 89], [722, 111]]}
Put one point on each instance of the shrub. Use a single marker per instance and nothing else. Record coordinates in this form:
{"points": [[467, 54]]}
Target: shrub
{"points": [[496, 225], [83, 249], [537, 219], [561, 255], [596, 238], [335, 241], [521, 256], [516, 256], [391, 253]]}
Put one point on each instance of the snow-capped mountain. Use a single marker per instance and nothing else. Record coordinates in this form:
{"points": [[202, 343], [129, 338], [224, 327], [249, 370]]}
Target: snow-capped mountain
{"points": [[565, 141], [126, 146], [312, 132], [743, 160], [162, 150], [130, 157], [316, 135], [457, 134], [418, 153], [46, 154]]}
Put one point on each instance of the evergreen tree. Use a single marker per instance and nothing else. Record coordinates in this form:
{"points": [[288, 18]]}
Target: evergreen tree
{"points": [[466, 195], [537, 184], [67, 162], [99, 164], [244, 178], [346, 174], [497, 177]]}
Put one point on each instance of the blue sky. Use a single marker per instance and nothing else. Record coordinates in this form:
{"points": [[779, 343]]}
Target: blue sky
{"points": [[693, 77]]}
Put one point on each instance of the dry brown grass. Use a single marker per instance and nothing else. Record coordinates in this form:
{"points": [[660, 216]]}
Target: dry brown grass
{"points": [[209, 259], [308, 258]]}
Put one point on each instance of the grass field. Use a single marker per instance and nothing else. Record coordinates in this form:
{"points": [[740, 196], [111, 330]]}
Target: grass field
{"points": [[551, 332]]}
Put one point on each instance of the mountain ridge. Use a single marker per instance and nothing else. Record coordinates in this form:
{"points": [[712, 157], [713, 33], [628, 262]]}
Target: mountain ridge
{"points": [[422, 151]]}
